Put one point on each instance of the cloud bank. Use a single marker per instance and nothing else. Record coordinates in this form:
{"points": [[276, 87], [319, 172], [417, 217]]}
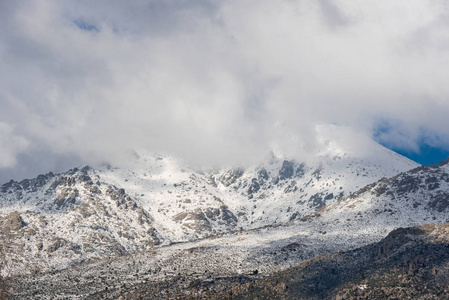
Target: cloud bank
{"points": [[215, 81]]}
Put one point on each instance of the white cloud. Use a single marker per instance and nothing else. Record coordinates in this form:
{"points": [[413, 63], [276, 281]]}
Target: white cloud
{"points": [[220, 81]]}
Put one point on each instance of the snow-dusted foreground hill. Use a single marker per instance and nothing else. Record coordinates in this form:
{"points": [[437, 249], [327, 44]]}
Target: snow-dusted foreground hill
{"points": [[55, 221]]}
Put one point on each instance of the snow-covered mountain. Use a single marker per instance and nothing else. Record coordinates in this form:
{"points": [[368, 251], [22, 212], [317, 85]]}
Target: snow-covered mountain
{"points": [[418, 196], [188, 204], [59, 220]]}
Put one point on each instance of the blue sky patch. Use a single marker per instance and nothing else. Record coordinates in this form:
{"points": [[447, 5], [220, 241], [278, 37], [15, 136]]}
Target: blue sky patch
{"points": [[83, 25], [427, 152], [426, 155]]}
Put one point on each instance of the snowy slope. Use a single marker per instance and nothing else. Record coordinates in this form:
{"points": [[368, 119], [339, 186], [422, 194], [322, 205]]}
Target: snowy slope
{"points": [[416, 197], [187, 204], [54, 221]]}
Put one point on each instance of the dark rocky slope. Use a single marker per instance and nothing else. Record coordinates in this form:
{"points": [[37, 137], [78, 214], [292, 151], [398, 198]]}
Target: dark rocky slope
{"points": [[410, 263]]}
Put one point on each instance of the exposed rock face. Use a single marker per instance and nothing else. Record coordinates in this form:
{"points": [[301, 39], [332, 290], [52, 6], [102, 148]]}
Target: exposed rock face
{"points": [[231, 176], [27, 185], [300, 171], [55, 244], [262, 174], [254, 187], [317, 200], [440, 202], [205, 220], [120, 197], [12, 222], [66, 197], [286, 170]]}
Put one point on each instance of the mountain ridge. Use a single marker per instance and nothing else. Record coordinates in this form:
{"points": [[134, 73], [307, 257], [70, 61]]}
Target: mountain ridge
{"points": [[359, 220], [63, 219]]}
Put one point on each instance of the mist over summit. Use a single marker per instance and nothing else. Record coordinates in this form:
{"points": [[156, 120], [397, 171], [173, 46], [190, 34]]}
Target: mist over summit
{"points": [[215, 82]]}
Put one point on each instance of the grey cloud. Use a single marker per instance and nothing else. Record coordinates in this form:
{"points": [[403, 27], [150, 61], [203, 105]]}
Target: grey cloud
{"points": [[332, 14], [10, 144], [214, 82]]}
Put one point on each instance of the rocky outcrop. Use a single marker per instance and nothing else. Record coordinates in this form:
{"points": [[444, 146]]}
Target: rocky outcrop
{"points": [[254, 186], [55, 244], [29, 185], [12, 222], [120, 197], [66, 197], [231, 176], [286, 170], [262, 175], [207, 220]]}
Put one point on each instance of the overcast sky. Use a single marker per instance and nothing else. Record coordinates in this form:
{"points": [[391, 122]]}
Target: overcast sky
{"points": [[215, 81]]}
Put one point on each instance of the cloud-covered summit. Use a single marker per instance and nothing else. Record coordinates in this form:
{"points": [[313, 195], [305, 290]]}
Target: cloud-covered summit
{"points": [[215, 82]]}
